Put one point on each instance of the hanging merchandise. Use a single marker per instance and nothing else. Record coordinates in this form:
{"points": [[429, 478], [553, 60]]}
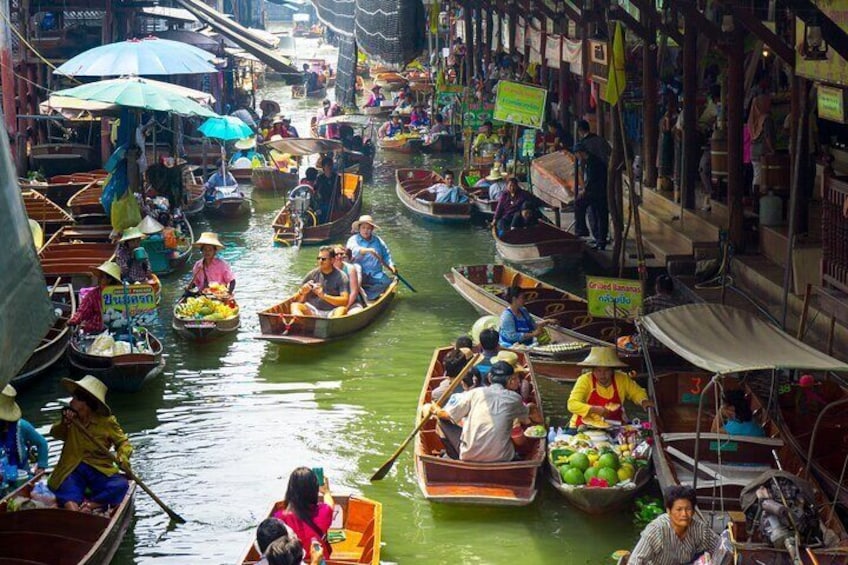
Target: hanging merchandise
{"points": [[125, 212], [553, 51], [572, 53], [520, 44]]}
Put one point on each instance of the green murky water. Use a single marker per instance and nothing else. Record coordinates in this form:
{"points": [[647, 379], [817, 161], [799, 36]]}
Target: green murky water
{"points": [[217, 436]]}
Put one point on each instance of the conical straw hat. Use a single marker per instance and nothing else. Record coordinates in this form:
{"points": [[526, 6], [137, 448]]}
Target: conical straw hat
{"points": [[131, 233], [9, 409], [93, 386], [209, 238], [112, 269], [602, 357], [149, 226]]}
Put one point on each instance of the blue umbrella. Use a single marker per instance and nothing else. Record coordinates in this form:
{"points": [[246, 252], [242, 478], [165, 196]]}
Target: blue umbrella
{"points": [[139, 57], [225, 128]]}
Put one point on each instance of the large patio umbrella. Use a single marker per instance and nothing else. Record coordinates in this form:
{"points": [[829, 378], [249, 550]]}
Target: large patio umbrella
{"points": [[140, 57], [138, 93]]}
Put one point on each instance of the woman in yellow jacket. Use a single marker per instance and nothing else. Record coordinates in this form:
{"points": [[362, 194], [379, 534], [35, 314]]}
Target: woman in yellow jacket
{"points": [[599, 394]]}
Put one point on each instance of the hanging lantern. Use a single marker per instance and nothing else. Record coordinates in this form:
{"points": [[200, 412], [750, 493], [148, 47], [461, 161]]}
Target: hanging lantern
{"points": [[814, 47]]}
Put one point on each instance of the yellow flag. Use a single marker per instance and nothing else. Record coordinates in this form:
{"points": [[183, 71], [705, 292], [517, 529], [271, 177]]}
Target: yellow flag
{"points": [[616, 81]]}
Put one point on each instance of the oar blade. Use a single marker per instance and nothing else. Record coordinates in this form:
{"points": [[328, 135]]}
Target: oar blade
{"points": [[381, 473]]}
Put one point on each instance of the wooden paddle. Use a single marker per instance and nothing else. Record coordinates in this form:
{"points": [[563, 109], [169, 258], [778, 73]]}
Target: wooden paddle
{"points": [[383, 471], [126, 469], [397, 273]]}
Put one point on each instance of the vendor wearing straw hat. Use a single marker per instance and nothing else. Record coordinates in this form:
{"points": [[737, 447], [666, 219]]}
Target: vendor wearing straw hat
{"points": [[82, 465], [17, 435], [599, 394], [376, 98], [244, 149], [210, 269], [89, 316], [132, 258], [372, 253], [393, 127]]}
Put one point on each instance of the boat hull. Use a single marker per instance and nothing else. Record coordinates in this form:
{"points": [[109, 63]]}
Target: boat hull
{"points": [[125, 373], [598, 500], [271, 178], [538, 248], [234, 207], [204, 330], [54, 344], [407, 146], [410, 182]]}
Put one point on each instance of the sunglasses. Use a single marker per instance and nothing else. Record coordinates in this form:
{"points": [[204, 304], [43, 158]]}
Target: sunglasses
{"points": [[322, 259]]}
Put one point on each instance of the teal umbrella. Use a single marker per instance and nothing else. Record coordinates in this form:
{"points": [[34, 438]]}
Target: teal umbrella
{"points": [[135, 92], [225, 128]]}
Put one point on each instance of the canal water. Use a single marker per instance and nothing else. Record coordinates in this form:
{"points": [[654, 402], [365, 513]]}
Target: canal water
{"points": [[218, 434]]}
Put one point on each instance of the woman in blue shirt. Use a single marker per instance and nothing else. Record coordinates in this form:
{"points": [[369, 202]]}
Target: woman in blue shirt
{"points": [[517, 324], [735, 416], [17, 435]]}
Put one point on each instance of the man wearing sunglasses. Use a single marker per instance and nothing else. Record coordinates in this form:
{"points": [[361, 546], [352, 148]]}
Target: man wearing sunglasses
{"points": [[324, 291]]}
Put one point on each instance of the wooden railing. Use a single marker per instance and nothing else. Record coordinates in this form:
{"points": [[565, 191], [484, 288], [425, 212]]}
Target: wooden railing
{"points": [[835, 233]]}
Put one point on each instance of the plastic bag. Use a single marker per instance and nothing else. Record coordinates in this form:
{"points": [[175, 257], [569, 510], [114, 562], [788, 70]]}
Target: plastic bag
{"points": [[125, 212], [120, 348], [102, 346]]}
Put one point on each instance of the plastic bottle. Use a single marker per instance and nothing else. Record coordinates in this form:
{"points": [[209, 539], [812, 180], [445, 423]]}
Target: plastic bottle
{"points": [[559, 431], [551, 435]]}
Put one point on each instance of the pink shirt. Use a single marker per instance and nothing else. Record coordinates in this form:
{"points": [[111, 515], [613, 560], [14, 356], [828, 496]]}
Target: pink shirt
{"points": [[218, 272], [322, 518]]}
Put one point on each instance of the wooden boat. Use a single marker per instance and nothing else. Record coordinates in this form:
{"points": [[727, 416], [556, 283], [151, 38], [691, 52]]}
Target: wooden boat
{"points": [[48, 214], [479, 196], [538, 247], [279, 326], [54, 343], [360, 519], [272, 178], [484, 287], [378, 111], [390, 81], [553, 177], [299, 91], [440, 143], [56, 535], [62, 158], [242, 175], [85, 205], [229, 202], [411, 186], [399, 144], [289, 228], [441, 479], [598, 500], [196, 202], [203, 330], [123, 373], [60, 188], [164, 261], [74, 251]]}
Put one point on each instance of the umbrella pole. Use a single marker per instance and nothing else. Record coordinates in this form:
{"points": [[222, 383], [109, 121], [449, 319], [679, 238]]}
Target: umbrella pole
{"points": [[154, 138]]}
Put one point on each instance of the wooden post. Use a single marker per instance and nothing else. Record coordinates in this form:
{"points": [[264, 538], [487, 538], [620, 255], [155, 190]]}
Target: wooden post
{"points": [[563, 89], [735, 116], [691, 146], [490, 34], [543, 73], [513, 25], [467, 12], [478, 38], [650, 119]]}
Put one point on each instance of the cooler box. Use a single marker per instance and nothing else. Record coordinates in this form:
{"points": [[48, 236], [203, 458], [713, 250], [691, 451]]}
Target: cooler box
{"points": [[157, 254]]}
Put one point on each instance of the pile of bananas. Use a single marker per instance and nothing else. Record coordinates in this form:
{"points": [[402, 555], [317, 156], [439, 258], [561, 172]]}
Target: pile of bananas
{"points": [[205, 308], [407, 136], [562, 347]]}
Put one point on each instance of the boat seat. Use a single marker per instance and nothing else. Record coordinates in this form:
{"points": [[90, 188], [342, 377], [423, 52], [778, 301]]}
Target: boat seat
{"points": [[44, 547], [77, 525]]}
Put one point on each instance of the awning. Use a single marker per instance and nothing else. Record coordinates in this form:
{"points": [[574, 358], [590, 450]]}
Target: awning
{"points": [[360, 120], [722, 339], [304, 145]]}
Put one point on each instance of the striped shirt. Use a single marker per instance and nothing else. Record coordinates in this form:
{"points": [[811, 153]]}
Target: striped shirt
{"points": [[660, 545]]}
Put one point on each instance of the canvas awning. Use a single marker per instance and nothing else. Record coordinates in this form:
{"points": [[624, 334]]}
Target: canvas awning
{"points": [[360, 120], [305, 145], [723, 339]]}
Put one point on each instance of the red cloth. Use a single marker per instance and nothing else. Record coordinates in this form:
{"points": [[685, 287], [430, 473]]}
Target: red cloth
{"points": [[596, 399], [89, 316], [322, 518]]}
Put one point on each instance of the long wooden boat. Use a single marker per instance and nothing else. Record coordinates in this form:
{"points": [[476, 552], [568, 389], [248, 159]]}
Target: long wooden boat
{"points": [[288, 230], [85, 205], [553, 178], [53, 344], [484, 287], [598, 500], [196, 201], [299, 91], [203, 330], [231, 204], [56, 535], [164, 261], [74, 251], [411, 186], [378, 111], [62, 158], [441, 479], [49, 215], [123, 373], [278, 325], [60, 188], [440, 143], [407, 145], [272, 178], [538, 247], [361, 521], [390, 81], [483, 205]]}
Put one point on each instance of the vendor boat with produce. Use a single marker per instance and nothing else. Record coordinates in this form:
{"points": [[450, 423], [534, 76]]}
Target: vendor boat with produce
{"points": [[208, 309]]}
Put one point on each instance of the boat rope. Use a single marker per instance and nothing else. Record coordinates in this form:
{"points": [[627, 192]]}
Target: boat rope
{"points": [[33, 49], [717, 396]]}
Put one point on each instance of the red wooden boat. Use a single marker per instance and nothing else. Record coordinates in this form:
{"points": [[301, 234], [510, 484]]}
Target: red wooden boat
{"points": [[46, 213], [85, 205], [53, 344]]}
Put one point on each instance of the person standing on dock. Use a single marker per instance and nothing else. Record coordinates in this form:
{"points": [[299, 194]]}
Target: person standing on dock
{"points": [[592, 198], [372, 254]]}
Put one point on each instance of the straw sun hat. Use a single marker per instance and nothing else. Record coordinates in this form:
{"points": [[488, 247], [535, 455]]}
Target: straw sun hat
{"points": [[495, 175], [365, 219], [602, 357], [508, 357], [9, 409], [93, 386], [209, 238], [131, 233], [246, 143], [110, 268], [149, 226]]}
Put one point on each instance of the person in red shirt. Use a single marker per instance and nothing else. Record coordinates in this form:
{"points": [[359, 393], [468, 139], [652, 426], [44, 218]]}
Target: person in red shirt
{"points": [[308, 517], [89, 316]]}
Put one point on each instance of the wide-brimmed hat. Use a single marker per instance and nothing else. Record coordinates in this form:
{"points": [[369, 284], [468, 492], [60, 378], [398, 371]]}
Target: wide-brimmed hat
{"points": [[209, 238], [277, 120], [276, 137], [366, 219], [94, 387], [110, 268], [9, 409], [510, 357], [246, 143], [131, 233], [149, 226], [495, 175], [602, 356]]}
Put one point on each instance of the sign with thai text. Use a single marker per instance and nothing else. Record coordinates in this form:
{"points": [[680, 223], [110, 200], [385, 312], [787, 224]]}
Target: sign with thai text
{"points": [[831, 103], [138, 302], [614, 298], [475, 113], [521, 104]]}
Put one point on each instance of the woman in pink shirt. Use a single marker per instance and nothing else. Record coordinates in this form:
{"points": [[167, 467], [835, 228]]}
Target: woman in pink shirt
{"points": [[210, 269], [304, 514]]}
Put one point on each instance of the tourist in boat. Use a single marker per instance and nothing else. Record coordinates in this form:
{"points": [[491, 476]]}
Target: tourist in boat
{"points": [[676, 537], [447, 191], [371, 253], [486, 140], [419, 118], [133, 268], [279, 545], [210, 269], [527, 218], [517, 324], [220, 178], [508, 209], [392, 128], [81, 466], [376, 98], [599, 393], [453, 363], [592, 198], [439, 126], [18, 436], [309, 509], [269, 531], [494, 184], [89, 315], [342, 261], [324, 291], [489, 339], [310, 176], [328, 110], [290, 130], [327, 194], [278, 128], [488, 415], [735, 416]]}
